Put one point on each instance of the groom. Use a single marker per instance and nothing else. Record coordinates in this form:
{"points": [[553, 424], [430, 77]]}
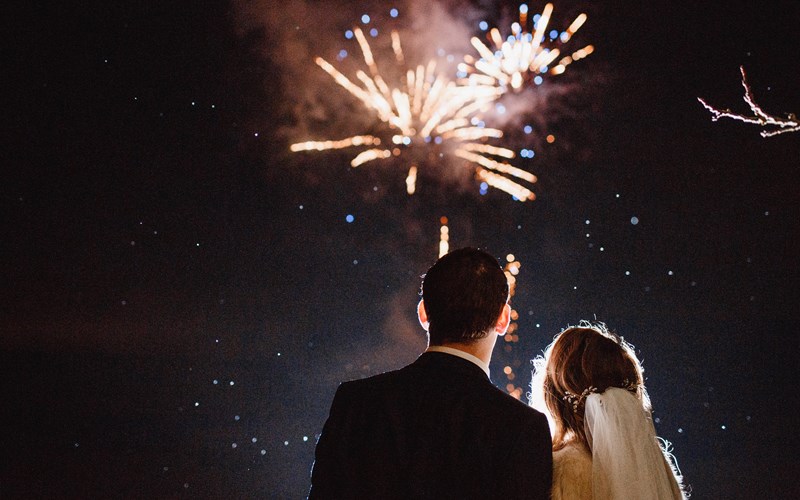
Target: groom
{"points": [[439, 428]]}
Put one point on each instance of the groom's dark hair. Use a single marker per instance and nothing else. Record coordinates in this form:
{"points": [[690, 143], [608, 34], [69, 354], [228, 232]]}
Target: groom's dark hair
{"points": [[464, 293]]}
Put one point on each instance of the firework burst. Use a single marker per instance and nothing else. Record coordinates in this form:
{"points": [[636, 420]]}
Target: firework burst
{"points": [[523, 56], [425, 108]]}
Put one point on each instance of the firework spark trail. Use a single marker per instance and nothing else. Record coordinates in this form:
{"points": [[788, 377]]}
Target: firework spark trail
{"points": [[522, 56], [444, 237], [426, 107], [511, 270], [511, 337]]}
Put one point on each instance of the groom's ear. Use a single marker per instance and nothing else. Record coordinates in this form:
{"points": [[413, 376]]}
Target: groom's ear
{"points": [[422, 315], [501, 327]]}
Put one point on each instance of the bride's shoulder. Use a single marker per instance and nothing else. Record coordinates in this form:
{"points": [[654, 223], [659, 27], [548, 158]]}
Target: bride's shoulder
{"points": [[572, 472]]}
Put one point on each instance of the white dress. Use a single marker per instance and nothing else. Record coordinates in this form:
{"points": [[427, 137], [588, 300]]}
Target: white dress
{"points": [[626, 460], [572, 473]]}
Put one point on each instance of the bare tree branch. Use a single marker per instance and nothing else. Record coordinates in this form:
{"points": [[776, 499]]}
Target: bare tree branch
{"points": [[765, 120]]}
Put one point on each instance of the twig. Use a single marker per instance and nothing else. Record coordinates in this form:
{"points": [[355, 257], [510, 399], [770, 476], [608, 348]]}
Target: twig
{"points": [[788, 124]]}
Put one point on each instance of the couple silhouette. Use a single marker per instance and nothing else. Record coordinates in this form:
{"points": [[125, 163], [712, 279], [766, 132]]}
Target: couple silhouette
{"points": [[438, 428]]}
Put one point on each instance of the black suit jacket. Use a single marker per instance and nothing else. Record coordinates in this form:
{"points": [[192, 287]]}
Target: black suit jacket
{"points": [[435, 429]]}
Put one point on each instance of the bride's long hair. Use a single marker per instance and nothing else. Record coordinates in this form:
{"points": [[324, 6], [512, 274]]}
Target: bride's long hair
{"points": [[582, 359]]}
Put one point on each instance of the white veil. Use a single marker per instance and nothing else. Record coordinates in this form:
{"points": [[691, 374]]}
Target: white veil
{"points": [[627, 459]]}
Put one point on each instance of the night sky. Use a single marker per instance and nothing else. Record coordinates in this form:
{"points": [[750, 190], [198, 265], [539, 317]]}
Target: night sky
{"points": [[181, 294]]}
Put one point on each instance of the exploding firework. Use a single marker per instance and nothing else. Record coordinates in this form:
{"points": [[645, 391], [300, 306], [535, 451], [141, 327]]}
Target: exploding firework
{"points": [[523, 56], [426, 108]]}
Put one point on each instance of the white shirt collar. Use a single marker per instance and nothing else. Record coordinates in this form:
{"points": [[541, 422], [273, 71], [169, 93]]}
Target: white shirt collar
{"points": [[461, 354]]}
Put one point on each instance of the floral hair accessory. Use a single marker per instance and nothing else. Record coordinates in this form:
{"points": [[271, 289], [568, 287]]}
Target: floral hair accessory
{"points": [[630, 386], [575, 400]]}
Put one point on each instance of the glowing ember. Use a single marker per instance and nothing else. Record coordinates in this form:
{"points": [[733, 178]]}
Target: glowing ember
{"points": [[444, 238]]}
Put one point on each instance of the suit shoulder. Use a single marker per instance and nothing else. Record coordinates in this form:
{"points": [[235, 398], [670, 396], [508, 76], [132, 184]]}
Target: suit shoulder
{"points": [[513, 409], [524, 411], [513, 403], [369, 382]]}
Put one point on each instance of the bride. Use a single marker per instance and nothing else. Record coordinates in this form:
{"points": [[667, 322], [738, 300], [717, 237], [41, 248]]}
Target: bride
{"points": [[589, 384]]}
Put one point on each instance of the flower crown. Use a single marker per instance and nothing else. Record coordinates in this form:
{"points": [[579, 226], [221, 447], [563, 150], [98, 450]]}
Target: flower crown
{"points": [[577, 400]]}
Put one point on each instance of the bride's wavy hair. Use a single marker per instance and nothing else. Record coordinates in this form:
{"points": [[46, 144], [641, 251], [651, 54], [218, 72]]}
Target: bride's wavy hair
{"points": [[583, 359]]}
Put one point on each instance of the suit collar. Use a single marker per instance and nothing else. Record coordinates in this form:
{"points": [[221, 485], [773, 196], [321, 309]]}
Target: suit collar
{"points": [[461, 354], [451, 362]]}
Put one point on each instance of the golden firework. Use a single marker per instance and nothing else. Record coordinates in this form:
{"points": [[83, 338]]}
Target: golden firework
{"points": [[523, 55], [425, 107]]}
